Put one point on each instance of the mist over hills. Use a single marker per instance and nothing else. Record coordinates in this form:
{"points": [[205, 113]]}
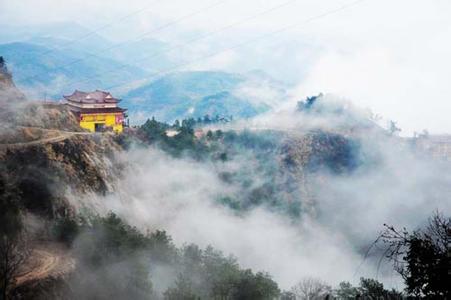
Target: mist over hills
{"points": [[77, 39], [275, 191], [65, 32], [174, 96], [38, 70], [54, 59], [225, 150], [196, 94]]}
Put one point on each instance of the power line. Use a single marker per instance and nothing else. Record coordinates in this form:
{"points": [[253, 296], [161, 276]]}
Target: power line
{"points": [[208, 34], [185, 17], [159, 28], [286, 28], [107, 25]]}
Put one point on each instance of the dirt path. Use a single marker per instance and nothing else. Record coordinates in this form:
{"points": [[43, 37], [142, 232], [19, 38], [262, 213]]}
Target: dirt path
{"points": [[56, 136], [46, 260]]}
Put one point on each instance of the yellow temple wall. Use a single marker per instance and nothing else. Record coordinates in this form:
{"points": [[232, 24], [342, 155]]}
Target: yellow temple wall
{"points": [[89, 121]]}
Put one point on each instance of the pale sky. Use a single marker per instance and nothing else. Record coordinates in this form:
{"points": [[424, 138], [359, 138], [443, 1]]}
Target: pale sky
{"points": [[389, 56]]}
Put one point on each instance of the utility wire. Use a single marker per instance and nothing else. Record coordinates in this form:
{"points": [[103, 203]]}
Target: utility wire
{"points": [[107, 25], [159, 28], [286, 28], [196, 39]]}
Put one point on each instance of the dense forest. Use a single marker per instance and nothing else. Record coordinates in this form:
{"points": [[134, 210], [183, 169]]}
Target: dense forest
{"points": [[117, 260]]}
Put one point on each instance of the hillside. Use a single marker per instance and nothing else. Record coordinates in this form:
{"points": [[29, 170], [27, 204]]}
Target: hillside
{"points": [[42, 145], [147, 53], [49, 216], [60, 32], [9, 94], [38, 70], [147, 215], [225, 150], [39, 74], [195, 94]]}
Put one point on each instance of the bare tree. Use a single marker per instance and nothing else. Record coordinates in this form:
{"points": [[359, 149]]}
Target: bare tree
{"points": [[422, 257], [393, 128], [13, 253], [311, 289]]}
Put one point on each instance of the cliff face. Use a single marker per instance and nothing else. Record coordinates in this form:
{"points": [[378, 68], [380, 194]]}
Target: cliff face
{"points": [[321, 149], [306, 157], [5, 76], [46, 160], [45, 172], [8, 92], [43, 152], [16, 111]]}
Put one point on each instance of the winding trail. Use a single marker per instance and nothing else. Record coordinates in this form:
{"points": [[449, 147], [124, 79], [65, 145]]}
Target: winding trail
{"points": [[50, 260], [53, 136]]}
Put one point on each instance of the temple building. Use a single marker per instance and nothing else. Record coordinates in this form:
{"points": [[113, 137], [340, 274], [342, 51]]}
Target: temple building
{"points": [[97, 111]]}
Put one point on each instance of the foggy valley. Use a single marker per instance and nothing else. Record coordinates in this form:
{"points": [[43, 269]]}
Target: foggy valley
{"points": [[217, 150]]}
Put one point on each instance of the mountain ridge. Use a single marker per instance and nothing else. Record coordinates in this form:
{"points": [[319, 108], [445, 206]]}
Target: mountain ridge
{"points": [[195, 94], [41, 71]]}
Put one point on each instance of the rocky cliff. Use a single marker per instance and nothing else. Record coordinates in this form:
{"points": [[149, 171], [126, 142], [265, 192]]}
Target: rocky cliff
{"points": [[46, 160], [8, 91]]}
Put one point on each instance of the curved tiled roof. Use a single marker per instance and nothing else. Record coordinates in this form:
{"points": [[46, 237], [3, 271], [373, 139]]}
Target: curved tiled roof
{"points": [[96, 96], [100, 110]]}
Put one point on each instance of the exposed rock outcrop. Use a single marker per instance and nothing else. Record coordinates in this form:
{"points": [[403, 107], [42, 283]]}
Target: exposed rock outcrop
{"points": [[44, 153], [9, 94]]}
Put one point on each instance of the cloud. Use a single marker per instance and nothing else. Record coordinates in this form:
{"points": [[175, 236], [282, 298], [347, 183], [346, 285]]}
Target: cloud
{"points": [[341, 217], [391, 57], [178, 195], [410, 92], [395, 65]]}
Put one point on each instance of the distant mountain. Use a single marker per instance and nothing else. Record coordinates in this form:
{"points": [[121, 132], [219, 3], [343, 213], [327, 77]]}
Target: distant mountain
{"points": [[83, 46], [59, 35], [195, 94], [41, 72], [56, 58], [226, 104], [146, 53]]}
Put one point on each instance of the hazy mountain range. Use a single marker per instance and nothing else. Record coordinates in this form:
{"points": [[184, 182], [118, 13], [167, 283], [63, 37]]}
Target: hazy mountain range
{"points": [[49, 61], [195, 94], [38, 70]]}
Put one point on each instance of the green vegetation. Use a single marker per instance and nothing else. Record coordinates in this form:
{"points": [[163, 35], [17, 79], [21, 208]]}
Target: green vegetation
{"points": [[121, 261], [10, 208], [196, 94], [368, 289], [422, 257], [258, 149], [117, 260], [308, 103], [208, 274], [13, 250], [183, 142], [65, 230], [269, 166], [33, 69]]}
